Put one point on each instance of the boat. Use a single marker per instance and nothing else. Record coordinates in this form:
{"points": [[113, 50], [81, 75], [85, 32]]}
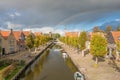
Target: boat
{"points": [[78, 76], [64, 54]]}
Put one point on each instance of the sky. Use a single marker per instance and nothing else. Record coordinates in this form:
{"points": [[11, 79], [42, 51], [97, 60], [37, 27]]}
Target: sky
{"points": [[57, 15]]}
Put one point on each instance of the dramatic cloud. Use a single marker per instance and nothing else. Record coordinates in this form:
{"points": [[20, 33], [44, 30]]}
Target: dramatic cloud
{"points": [[86, 13], [43, 29], [48, 29], [13, 26]]}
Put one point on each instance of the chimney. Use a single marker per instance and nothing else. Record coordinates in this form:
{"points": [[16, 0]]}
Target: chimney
{"points": [[11, 30]]}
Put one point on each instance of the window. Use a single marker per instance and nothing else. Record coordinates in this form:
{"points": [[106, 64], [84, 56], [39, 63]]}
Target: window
{"points": [[11, 48], [11, 41]]}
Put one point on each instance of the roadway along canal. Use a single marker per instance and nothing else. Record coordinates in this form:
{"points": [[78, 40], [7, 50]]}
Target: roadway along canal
{"points": [[51, 66]]}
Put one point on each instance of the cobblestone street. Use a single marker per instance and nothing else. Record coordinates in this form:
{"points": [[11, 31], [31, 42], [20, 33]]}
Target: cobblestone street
{"points": [[104, 71]]}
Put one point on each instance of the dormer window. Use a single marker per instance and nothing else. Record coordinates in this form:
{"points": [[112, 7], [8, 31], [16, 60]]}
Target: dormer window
{"points": [[118, 37]]}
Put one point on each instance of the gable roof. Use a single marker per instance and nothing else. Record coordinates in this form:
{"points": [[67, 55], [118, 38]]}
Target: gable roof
{"points": [[17, 34], [116, 35], [5, 34], [26, 33]]}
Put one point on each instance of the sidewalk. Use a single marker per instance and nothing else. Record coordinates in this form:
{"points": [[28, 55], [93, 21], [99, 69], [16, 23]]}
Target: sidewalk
{"points": [[104, 71], [23, 55]]}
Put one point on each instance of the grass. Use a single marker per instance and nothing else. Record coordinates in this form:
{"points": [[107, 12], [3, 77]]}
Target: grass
{"points": [[13, 73], [3, 66], [18, 65]]}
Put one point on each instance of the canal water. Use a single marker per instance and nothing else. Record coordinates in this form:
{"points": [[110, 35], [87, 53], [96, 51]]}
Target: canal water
{"points": [[51, 66]]}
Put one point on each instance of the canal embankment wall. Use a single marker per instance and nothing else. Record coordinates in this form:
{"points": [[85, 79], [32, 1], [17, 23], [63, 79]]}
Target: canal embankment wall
{"points": [[28, 65], [69, 52]]}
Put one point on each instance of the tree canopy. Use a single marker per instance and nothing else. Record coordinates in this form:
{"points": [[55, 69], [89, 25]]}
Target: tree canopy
{"points": [[108, 28], [73, 41], [30, 41], [118, 28], [118, 45], [98, 45], [37, 41], [82, 40], [96, 29]]}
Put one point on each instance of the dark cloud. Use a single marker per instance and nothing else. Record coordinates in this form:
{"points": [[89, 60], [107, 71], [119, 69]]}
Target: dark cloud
{"points": [[54, 12]]}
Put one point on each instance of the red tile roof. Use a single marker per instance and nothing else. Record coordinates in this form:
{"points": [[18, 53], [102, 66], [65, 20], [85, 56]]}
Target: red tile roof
{"points": [[72, 34], [90, 35], [26, 33], [5, 34], [116, 35], [17, 34], [37, 33]]}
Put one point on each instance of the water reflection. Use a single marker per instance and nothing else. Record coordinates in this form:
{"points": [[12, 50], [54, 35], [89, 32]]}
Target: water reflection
{"points": [[38, 66], [51, 66], [70, 65]]}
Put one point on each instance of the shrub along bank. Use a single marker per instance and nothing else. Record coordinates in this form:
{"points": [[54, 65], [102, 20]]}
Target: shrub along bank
{"points": [[9, 68]]}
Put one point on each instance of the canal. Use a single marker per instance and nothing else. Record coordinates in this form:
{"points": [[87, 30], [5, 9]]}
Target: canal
{"points": [[51, 66]]}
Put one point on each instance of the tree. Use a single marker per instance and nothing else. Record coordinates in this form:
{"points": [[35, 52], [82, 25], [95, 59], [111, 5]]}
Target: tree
{"points": [[30, 41], [44, 39], [118, 28], [73, 41], [37, 42], [98, 46], [56, 35], [96, 29], [82, 40], [108, 28], [118, 50]]}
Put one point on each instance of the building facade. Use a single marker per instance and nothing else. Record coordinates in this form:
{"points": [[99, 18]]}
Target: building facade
{"points": [[72, 34], [8, 42]]}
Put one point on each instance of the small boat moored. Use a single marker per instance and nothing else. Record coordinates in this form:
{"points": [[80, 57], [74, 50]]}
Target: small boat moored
{"points": [[64, 55], [78, 76]]}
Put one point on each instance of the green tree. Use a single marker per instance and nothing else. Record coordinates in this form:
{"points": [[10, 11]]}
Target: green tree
{"points": [[96, 29], [30, 41], [118, 50], [82, 41], [56, 35], [44, 39], [98, 46], [37, 42], [72, 41], [108, 28], [118, 28]]}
